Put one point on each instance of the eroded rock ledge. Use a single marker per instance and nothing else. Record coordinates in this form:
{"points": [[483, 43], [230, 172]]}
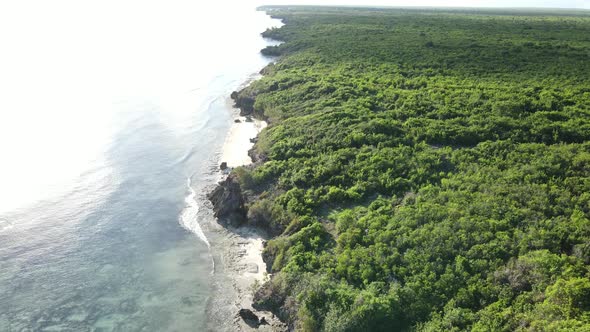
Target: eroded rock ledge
{"points": [[244, 102], [228, 202]]}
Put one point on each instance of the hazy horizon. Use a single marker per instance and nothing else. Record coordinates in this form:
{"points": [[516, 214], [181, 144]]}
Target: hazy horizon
{"points": [[548, 4]]}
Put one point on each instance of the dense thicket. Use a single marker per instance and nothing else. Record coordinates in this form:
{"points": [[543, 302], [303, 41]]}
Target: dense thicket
{"points": [[425, 170]]}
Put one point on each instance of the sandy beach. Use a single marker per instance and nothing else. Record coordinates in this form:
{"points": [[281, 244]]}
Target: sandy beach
{"points": [[238, 251], [236, 145]]}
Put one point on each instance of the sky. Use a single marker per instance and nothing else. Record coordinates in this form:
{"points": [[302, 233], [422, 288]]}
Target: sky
{"points": [[446, 3]]}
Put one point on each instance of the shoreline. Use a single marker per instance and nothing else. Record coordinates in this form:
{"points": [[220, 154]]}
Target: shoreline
{"points": [[237, 253], [237, 143], [238, 266]]}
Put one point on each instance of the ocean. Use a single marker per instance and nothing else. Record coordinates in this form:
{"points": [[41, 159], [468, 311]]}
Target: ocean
{"points": [[112, 118]]}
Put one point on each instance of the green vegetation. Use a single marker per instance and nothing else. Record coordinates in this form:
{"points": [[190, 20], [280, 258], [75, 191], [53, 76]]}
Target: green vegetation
{"points": [[425, 170]]}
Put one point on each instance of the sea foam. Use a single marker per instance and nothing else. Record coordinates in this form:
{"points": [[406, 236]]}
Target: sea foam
{"points": [[188, 218]]}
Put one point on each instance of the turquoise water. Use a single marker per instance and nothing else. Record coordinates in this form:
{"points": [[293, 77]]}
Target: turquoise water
{"points": [[110, 130]]}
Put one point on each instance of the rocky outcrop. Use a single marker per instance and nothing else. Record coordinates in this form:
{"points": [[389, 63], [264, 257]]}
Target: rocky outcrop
{"points": [[271, 298], [249, 317], [257, 156], [228, 202], [247, 314], [244, 102]]}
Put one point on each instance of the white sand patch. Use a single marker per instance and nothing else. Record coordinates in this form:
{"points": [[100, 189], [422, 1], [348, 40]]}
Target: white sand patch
{"points": [[237, 143]]}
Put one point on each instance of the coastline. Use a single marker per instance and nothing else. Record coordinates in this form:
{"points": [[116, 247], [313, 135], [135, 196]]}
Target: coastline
{"points": [[238, 266], [237, 253], [237, 143], [371, 170]]}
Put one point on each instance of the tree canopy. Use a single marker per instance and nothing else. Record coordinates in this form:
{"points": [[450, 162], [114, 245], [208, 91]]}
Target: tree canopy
{"points": [[425, 170]]}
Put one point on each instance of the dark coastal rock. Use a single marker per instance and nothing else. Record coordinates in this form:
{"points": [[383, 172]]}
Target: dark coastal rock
{"points": [[223, 166], [247, 314], [263, 321], [243, 101], [249, 119], [256, 156], [249, 317], [245, 104], [271, 298], [238, 121], [268, 258], [228, 202]]}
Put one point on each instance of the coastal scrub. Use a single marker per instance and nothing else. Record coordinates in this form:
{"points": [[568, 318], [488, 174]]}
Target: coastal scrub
{"points": [[424, 170]]}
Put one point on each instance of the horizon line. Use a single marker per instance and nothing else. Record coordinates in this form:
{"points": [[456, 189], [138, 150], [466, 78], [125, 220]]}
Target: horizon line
{"points": [[426, 7]]}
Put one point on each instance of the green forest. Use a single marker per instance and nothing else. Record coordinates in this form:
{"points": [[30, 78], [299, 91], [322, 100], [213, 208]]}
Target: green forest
{"points": [[424, 170]]}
